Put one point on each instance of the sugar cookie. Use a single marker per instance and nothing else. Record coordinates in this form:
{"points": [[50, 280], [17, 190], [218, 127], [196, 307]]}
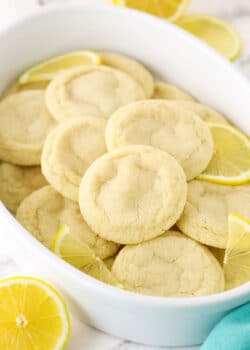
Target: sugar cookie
{"points": [[91, 90], [17, 182], [166, 126], [24, 125], [132, 194], [133, 68], [205, 217], [69, 150], [45, 210], [171, 265]]}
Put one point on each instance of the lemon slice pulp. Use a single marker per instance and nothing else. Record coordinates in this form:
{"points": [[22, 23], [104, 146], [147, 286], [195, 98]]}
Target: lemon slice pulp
{"points": [[230, 164], [237, 255], [77, 253], [216, 32], [32, 315], [168, 9], [47, 70]]}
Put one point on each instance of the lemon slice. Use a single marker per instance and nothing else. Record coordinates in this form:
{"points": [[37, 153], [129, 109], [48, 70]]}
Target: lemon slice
{"points": [[216, 32], [47, 70], [32, 315], [230, 164], [168, 9], [77, 253], [237, 256]]}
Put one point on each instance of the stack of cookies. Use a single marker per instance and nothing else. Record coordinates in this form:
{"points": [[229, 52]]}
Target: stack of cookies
{"points": [[115, 156]]}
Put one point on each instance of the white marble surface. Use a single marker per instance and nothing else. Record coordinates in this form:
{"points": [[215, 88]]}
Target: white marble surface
{"points": [[238, 12]]}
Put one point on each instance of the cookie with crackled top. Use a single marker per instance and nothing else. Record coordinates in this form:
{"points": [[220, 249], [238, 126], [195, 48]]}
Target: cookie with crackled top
{"points": [[205, 216], [24, 125], [164, 125], [44, 211], [132, 194], [171, 265], [69, 150], [91, 90]]}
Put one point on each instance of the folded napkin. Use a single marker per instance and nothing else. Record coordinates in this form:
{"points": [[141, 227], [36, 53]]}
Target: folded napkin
{"points": [[232, 332]]}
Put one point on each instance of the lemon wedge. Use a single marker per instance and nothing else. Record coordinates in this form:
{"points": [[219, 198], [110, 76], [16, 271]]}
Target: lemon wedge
{"points": [[32, 315], [230, 164], [77, 253], [47, 70], [168, 9], [216, 32], [237, 256]]}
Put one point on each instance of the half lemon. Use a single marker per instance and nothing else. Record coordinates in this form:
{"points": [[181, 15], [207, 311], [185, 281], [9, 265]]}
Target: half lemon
{"points": [[32, 315]]}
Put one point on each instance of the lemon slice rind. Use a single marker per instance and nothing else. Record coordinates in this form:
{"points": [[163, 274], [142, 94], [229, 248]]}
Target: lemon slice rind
{"points": [[244, 175], [81, 256], [154, 7], [237, 254], [33, 75]]}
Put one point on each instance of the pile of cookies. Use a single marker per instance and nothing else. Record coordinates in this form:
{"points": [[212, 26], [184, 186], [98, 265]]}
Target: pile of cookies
{"points": [[115, 156]]}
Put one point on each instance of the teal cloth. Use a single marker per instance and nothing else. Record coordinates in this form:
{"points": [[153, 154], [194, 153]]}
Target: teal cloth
{"points": [[232, 332]]}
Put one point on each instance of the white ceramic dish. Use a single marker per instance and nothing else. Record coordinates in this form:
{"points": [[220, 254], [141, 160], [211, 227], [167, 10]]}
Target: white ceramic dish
{"points": [[176, 57]]}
